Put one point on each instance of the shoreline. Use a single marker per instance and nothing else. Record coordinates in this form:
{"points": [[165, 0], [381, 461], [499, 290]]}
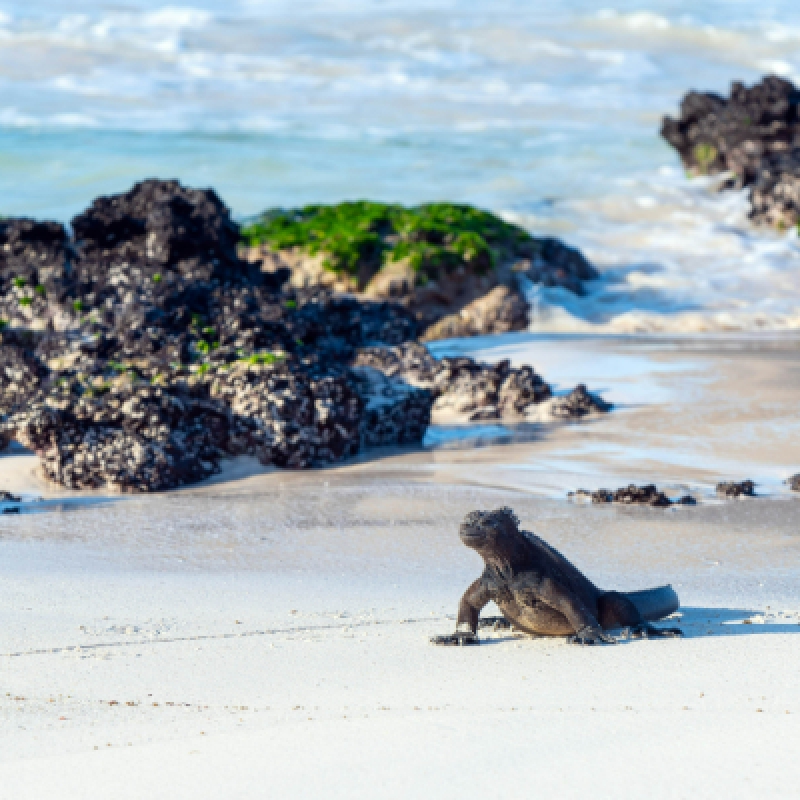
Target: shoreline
{"points": [[687, 388]]}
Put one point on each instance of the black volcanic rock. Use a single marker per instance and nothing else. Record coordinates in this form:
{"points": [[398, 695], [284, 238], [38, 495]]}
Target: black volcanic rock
{"points": [[21, 373], [633, 495], [140, 439], [460, 385], [579, 403], [775, 195], [715, 133], [734, 489], [148, 350], [289, 416], [34, 271], [557, 264], [163, 228], [395, 412], [755, 134], [648, 495], [36, 251]]}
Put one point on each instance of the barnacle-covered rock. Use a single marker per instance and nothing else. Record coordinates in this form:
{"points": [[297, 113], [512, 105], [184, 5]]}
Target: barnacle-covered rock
{"points": [[139, 355], [461, 387]]}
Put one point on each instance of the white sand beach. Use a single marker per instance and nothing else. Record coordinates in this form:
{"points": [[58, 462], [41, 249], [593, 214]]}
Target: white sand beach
{"points": [[266, 635]]}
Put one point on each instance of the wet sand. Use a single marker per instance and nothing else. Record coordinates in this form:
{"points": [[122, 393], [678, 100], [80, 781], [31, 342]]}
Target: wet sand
{"points": [[267, 634], [690, 411]]}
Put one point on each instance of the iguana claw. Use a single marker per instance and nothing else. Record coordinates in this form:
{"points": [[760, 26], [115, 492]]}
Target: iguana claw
{"points": [[590, 636], [457, 639]]}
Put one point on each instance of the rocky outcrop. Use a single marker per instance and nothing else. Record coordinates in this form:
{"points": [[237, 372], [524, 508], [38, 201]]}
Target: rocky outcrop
{"points": [[460, 387], [160, 351], [755, 135], [580, 402], [794, 482], [142, 439], [21, 377], [458, 304], [21, 374], [150, 350], [289, 416], [164, 229], [457, 269], [465, 389]]}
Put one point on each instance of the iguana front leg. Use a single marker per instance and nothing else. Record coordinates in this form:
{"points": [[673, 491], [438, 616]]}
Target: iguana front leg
{"points": [[469, 610]]}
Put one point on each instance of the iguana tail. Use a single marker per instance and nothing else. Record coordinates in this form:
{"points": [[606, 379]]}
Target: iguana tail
{"points": [[655, 604]]}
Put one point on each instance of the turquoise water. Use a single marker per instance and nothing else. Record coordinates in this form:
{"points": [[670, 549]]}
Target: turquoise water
{"points": [[547, 112]]}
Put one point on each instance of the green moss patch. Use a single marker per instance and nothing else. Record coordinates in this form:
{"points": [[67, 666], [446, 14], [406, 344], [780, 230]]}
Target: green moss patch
{"points": [[363, 236], [705, 154]]}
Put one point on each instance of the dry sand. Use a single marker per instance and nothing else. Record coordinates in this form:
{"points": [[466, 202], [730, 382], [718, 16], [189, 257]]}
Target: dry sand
{"points": [[266, 635]]}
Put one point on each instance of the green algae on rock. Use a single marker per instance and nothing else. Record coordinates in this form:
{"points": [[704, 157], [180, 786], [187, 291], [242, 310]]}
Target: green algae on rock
{"points": [[438, 260], [359, 238]]}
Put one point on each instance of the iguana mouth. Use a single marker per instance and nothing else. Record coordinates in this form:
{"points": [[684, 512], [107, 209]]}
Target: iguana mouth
{"points": [[470, 535]]}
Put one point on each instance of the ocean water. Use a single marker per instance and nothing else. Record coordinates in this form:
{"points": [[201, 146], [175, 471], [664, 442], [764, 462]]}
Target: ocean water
{"points": [[546, 112]]}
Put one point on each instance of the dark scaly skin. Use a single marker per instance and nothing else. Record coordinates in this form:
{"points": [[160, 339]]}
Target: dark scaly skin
{"points": [[538, 590]]}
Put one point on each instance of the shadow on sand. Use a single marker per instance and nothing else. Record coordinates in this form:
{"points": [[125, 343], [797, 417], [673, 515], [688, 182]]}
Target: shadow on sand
{"points": [[696, 623], [699, 622]]}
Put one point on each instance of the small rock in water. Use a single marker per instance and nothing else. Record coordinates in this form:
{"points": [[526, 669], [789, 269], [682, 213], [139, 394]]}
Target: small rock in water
{"points": [[794, 482], [633, 495], [733, 489], [642, 495], [578, 403], [752, 135], [475, 390]]}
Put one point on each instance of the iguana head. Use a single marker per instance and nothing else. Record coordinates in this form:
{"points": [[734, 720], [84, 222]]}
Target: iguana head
{"points": [[492, 533]]}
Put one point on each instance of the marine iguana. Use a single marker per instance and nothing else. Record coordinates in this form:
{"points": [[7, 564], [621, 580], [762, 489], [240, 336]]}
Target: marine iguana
{"points": [[541, 592]]}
